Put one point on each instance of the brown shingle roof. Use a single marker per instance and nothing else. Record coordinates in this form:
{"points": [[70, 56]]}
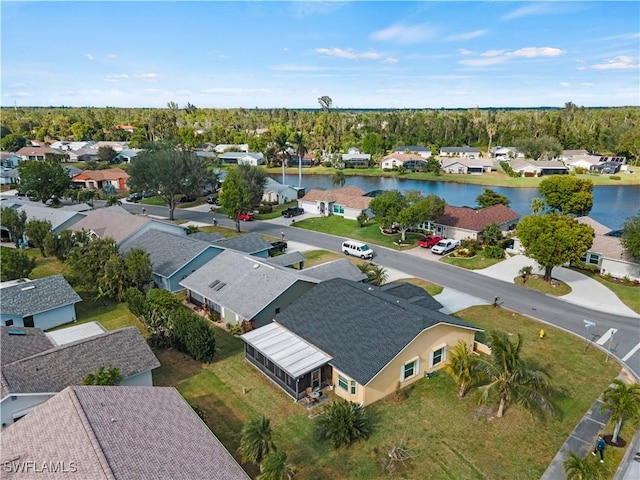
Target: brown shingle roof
{"points": [[119, 433], [476, 220], [100, 175], [350, 196], [403, 157], [112, 224]]}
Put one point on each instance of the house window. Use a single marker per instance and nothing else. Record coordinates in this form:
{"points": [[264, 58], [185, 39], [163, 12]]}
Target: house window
{"points": [[409, 370], [594, 259], [353, 387], [8, 323], [28, 321], [338, 209], [277, 311], [343, 383], [438, 356], [250, 351]]}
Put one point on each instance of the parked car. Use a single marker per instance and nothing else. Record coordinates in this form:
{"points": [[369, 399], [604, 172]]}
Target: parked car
{"points": [[187, 198], [213, 200], [292, 212], [445, 246], [357, 249], [246, 216], [429, 241], [279, 246], [134, 197]]}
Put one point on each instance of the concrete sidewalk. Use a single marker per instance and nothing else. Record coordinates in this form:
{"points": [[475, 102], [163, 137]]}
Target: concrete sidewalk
{"points": [[585, 291]]}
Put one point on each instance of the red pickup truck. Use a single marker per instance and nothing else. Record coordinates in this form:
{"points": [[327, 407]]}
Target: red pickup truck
{"points": [[246, 216], [429, 241]]}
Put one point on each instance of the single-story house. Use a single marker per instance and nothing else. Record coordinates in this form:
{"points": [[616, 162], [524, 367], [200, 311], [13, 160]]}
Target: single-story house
{"points": [[465, 222], [228, 147], [460, 152], [523, 167], [38, 153], [250, 243], [466, 165], [99, 179], [551, 167], [354, 158], [569, 155], [348, 202], [308, 160], [242, 158], [117, 146], [173, 257], [103, 223], [421, 150], [245, 288], [107, 433], [127, 155], [34, 369], [83, 155], [363, 341], [43, 303], [585, 161], [9, 160], [410, 161], [60, 218], [339, 268], [608, 253], [9, 176], [275, 191], [506, 153]]}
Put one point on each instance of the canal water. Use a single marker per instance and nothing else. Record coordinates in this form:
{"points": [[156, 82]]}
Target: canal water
{"points": [[612, 205]]}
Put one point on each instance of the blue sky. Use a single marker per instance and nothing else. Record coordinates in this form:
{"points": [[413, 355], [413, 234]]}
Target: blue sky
{"points": [[287, 54]]}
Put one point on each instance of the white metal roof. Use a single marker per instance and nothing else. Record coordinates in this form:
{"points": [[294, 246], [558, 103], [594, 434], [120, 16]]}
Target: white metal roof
{"points": [[75, 333], [290, 352]]}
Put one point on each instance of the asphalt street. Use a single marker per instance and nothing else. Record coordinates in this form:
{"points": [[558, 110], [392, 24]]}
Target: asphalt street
{"points": [[624, 344]]}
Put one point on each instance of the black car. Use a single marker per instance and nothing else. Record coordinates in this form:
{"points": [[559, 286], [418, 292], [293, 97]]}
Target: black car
{"points": [[134, 197], [277, 247], [292, 212], [213, 200]]}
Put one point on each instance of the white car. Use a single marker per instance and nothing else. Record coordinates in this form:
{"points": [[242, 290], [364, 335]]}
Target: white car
{"points": [[445, 246]]}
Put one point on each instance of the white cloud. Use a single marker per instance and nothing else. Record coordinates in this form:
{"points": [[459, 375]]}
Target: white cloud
{"points": [[565, 84], [464, 51], [492, 53], [115, 78], [18, 85], [533, 52], [621, 62], [391, 60], [16, 95], [89, 56], [295, 68], [466, 36], [495, 57], [348, 53], [147, 77], [533, 9], [405, 34], [112, 55]]}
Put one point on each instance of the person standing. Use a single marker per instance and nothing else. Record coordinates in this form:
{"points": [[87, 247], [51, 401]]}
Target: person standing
{"points": [[599, 448], [144, 210]]}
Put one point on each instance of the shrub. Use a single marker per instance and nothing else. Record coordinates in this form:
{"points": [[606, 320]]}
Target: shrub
{"points": [[193, 335], [471, 245], [136, 301], [265, 209], [586, 267], [344, 422], [614, 177], [162, 299], [493, 251]]}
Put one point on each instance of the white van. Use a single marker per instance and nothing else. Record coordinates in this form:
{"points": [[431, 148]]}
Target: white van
{"points": [[357, 249]]}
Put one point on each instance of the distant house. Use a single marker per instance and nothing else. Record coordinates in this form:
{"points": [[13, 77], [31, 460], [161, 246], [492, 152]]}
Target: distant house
{"points": [[117, 433], [43, 303], [228, 147], [347, 202], [9, 160], [244, 288], [34, 368], [276, 192], [421, 150], [9, 176], [506, 153], [308, 160], [608, 254], [117, 146], [538, 168], [466, 165], [38, 153], [464, 222], [100, 179], [409, 161], [126, 128], [362, 340], [127, 155], [89, 154], [105, 223], [585, 161], [460, 152], [60, 218], [354, 158], [242, 158], [173, 257], [249, 243]]}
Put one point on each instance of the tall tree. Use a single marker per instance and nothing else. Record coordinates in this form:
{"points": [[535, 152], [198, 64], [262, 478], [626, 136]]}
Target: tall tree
{"points": [[36, 231], [553, 239], [15, 264], [169, 172], [234, 197], [14, 222], [282, 142], [44, 180], [490, 197], [461, 367], [631, 236], [301, 150], [325, 102], [275, 467], [138, 267], [256, 440], [87, 261], [106, 154], [578, 468], [12, 142], [338, 179], [387, 206], [510, 378], [255, 179], [567, 195], [624, 402], [418, 209]]}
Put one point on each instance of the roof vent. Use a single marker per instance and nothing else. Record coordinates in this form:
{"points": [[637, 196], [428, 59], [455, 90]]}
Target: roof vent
{"points": [[16, 332], [257, 265], [219, 286], [214, 283], [30, 287]]}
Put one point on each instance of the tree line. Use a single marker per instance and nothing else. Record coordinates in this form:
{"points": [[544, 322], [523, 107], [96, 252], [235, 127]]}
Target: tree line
{"points": [[610, 131]]}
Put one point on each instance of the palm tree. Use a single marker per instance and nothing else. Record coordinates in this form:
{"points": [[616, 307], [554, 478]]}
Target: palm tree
{"points": [[578, 468], [510, 377], [275, 467], [624, 402], [461, 367], [256, 441], [282, 142], [377, 275], [338, 179], [301, 149], [344, 422]]}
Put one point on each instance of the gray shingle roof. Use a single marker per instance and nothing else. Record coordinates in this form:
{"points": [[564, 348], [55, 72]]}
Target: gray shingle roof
{"points": [[56, 216], [287, 259], [413, 294], [132, 433], [250, 283], [168, 252], [340, 268], [206, 236], [362, 327], [15, 347], [248, 243], [106, 223], [37, 296], [53, 370]]}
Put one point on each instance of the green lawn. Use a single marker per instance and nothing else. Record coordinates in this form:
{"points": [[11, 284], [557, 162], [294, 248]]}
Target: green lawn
{"points": [[477, 262], [454, 439], [536, 282]]}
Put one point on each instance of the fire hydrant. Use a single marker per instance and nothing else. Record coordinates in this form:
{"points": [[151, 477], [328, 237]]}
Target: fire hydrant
{"points": [[541, 333]]}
